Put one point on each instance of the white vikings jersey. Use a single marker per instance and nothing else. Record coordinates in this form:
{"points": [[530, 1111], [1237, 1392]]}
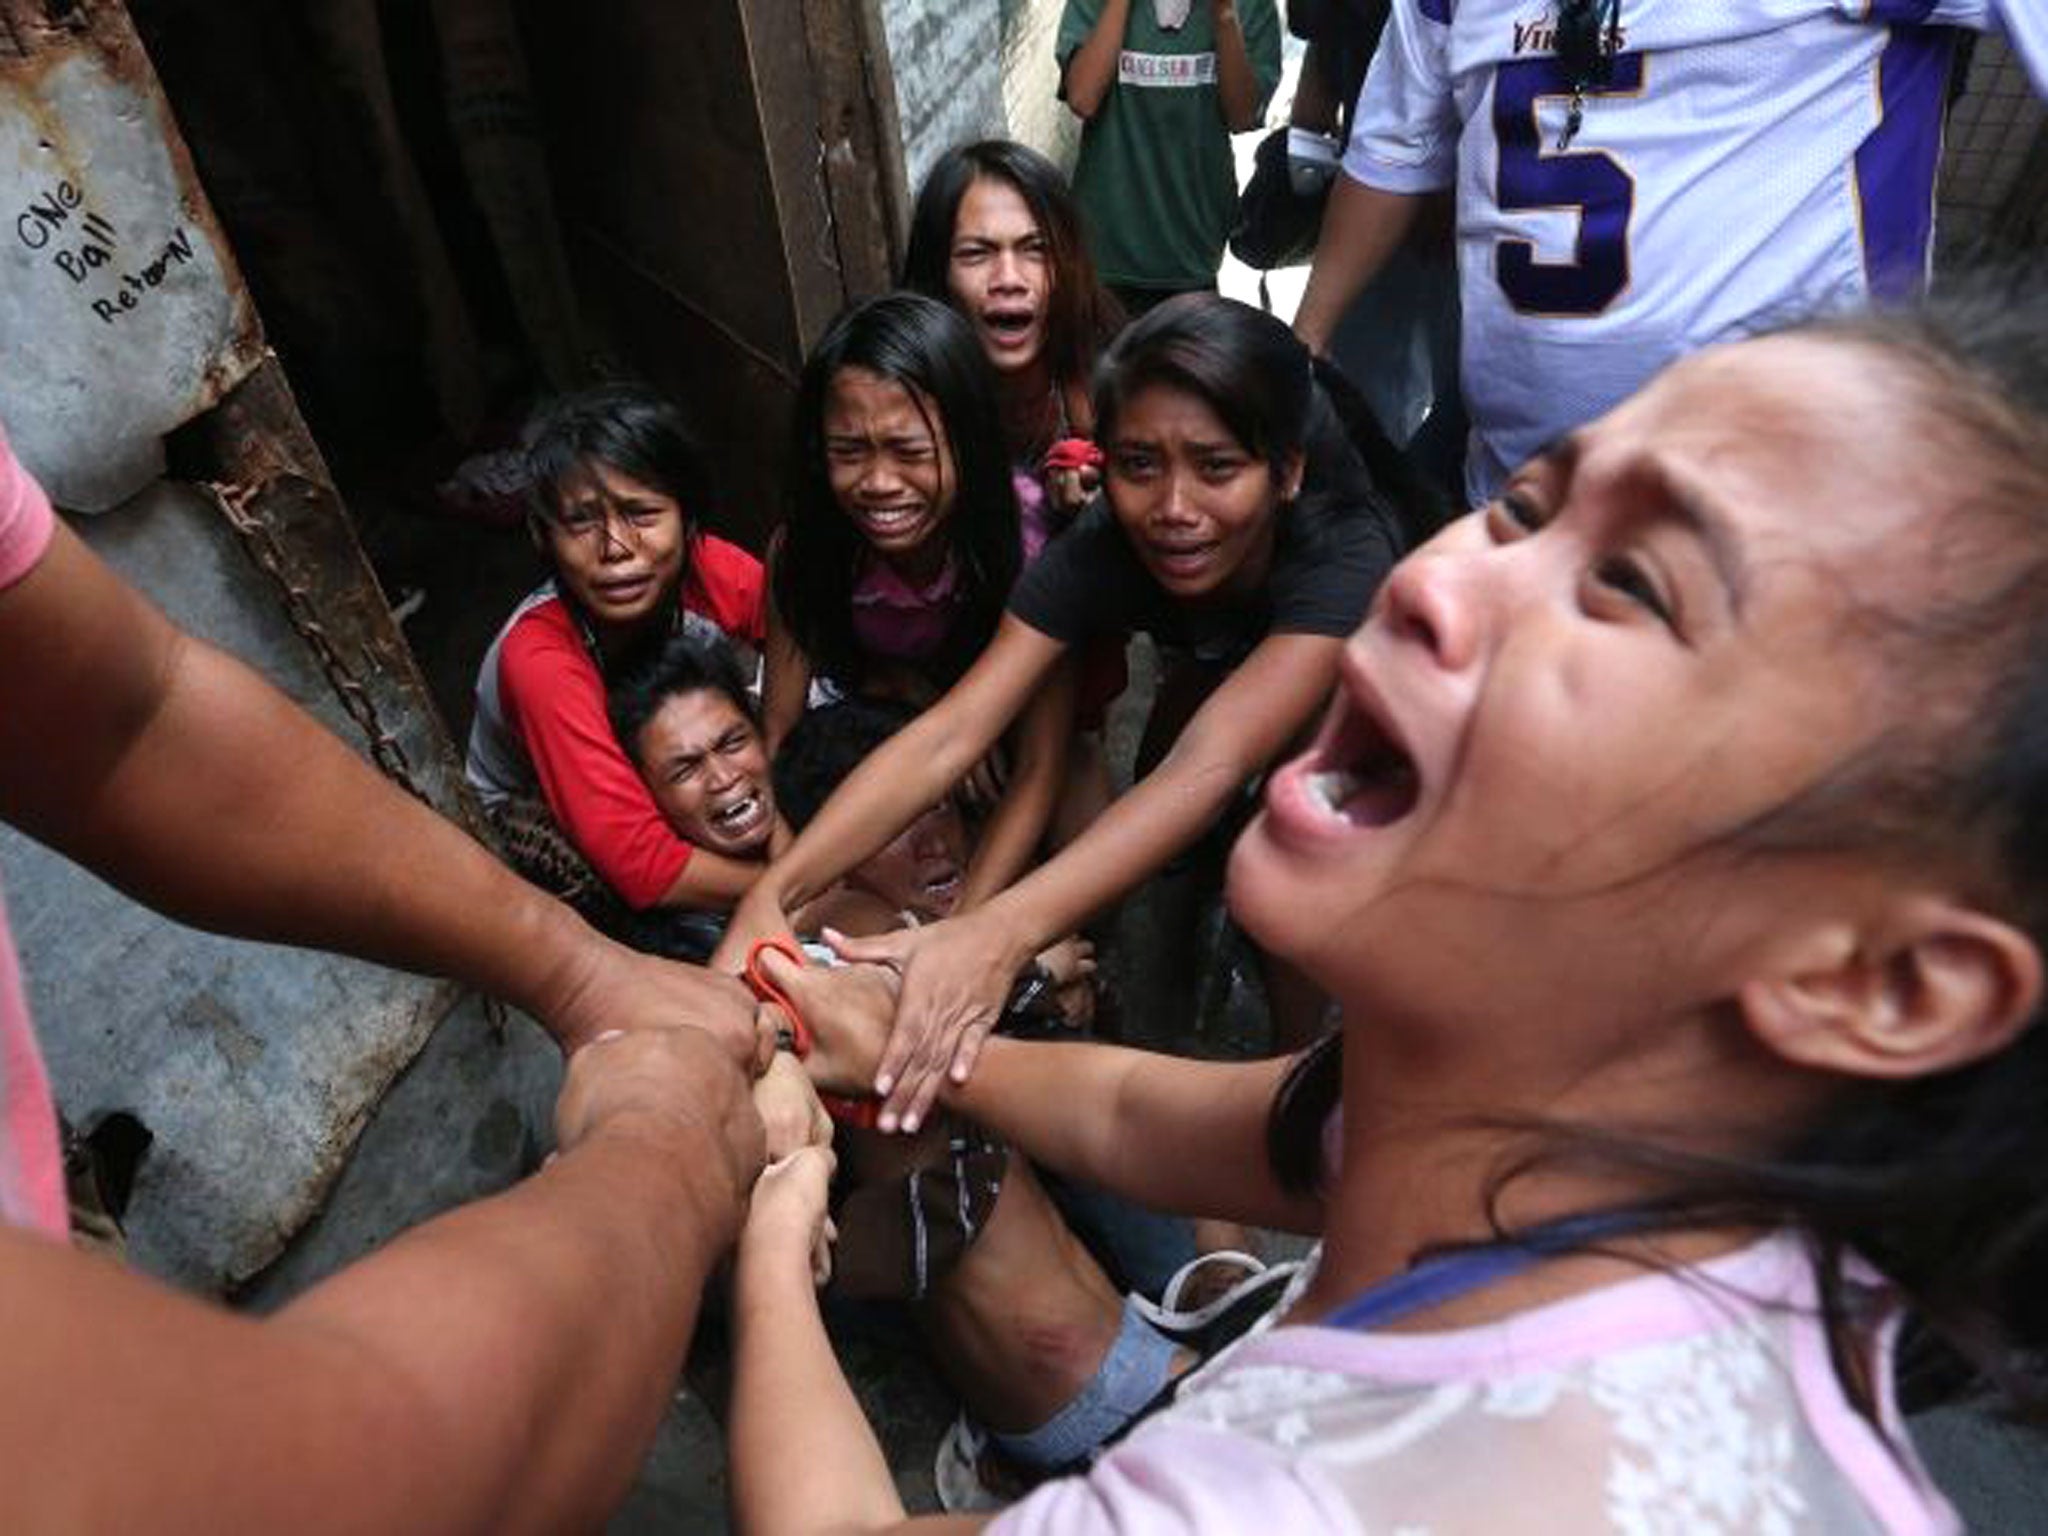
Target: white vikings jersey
{"points": [[1746, 161]]}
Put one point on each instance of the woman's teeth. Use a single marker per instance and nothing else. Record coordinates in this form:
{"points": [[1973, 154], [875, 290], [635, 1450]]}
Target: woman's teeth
{"points": [[1334, 786], [890, 519], [1383, 793]]}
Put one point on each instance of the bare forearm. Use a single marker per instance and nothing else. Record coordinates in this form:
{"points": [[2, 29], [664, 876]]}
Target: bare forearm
{"points": [[1362, 227], [804, 1459], [1009, 841], [711, 882], [1137, 834], [1171, 1134], [502, 1368], [1091, 69], [1315, 104], [557, 1352], [1237, 83], [785, 685], [1012, 837], [233, 810]]}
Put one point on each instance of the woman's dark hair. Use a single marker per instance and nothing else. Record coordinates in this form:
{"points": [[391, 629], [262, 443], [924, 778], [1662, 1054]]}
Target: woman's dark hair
{"points": [[628, 427], [686, 663], [1241, 362], [826, 746], [922, 345], [1941, 1182], [1081, 316], [1258, 378]]}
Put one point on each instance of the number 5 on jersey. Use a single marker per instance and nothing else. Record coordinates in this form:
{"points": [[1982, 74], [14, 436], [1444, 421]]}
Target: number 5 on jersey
{"points": [[1533, 175]]}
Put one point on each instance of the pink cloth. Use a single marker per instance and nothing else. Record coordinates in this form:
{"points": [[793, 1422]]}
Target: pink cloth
{"points": [[896, 621], [1699, 1400], [1036, 519], [31, 1166]]}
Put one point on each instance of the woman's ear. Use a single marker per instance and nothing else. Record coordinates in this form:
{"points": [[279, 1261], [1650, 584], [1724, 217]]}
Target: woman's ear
{"points": [[1291, 474], [1945, 986]]}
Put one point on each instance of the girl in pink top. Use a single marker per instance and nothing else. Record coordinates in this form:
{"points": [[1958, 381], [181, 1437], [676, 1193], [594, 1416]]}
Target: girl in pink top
{"points": [[902, 542], [1677, 848]]}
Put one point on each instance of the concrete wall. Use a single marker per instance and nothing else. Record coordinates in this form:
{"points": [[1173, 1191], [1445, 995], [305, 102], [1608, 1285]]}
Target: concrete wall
{"points": [[974, 71], [948, 87], [1031, 81]]}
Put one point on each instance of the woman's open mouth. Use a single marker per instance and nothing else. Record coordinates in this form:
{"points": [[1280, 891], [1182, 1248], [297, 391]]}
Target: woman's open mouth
{"points": [[1358, 774], [884, 523], [1009, 326], [1180, 562]]}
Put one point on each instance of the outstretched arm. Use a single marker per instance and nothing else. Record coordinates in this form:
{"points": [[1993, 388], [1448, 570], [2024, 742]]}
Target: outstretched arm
{"points": [[1010, 840], [956, 974], [177, 773], [804, 1461], [501, 1368], [1188, 1137], [785, 676]]}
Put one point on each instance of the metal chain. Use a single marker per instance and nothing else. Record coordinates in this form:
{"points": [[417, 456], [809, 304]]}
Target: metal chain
{"points": [[260, 540]]}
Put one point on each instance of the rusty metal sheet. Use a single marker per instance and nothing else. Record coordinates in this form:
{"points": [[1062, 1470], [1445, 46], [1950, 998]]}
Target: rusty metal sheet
{"points": [[121, 312], [255, 1065]]}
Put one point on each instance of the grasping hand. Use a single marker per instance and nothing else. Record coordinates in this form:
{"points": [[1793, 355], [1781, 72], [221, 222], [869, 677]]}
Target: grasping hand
{"points": [[669, 1086], [1069, 966], [983, 787], [1069, 490], [1073, 473], [789, 1108], [612, 987], [956, 978], [789, 1213], [848, 1010]]}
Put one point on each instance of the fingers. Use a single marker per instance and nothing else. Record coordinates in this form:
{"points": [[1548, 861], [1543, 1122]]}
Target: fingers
{"points": [[786, 973], [815, 991], [915, 1086], [968, 1051], [769, 1023], [890, 949], [898, 1055], [662, 1084]]}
